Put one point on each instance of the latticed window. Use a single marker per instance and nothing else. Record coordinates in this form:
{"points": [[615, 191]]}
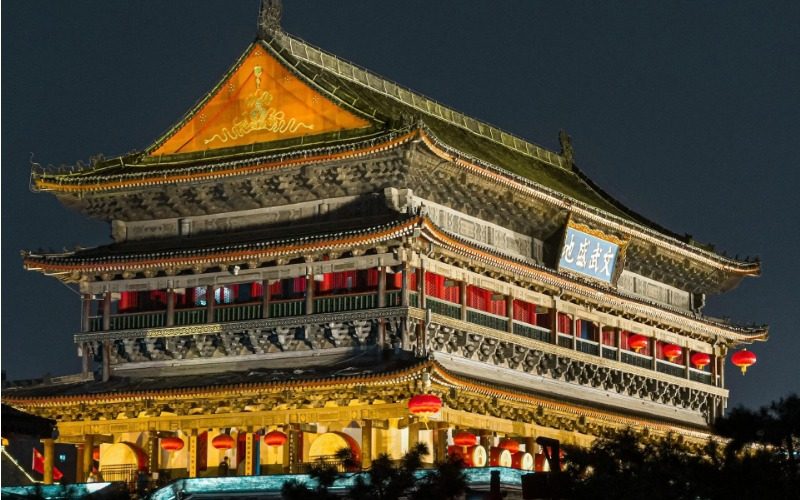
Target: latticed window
{"points": [[222, 295]]}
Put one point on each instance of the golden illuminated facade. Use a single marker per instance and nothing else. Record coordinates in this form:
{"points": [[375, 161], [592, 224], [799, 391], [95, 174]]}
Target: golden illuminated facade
{"points": [[312, 245]]}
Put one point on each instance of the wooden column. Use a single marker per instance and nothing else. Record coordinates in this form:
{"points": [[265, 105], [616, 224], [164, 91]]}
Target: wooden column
{"points": [[153, 452], [249, 452], [309, 292], [88, 451], [413, 435], [715, 369], [106, 346], [653, 351], [575, 332], [439, 444], [381, 303], [382, 286], [462, 292], [404, 296], [211, 292], [170, 307], [49, 459], [86, 312], [686, 361], [366, 444], [192, 451], [287, 449], [80, 449], [106, 311], [530, 444], [266, 298], [421, 284], [85, 359], [510, 312], [554, 323], [618, 341]]}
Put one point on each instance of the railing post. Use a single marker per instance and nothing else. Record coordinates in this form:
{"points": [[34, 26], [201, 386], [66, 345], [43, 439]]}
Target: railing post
{"points": [[211, 292]]}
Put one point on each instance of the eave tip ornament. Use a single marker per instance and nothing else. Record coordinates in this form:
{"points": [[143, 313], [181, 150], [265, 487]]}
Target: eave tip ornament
{"points": [[269, 18]]}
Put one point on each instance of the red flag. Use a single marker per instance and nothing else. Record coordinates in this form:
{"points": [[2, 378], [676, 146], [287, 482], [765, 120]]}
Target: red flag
{"points": [[38, 466]]}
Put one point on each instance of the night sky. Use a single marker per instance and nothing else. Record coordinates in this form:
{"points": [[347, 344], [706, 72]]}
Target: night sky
{"points": [[687, 112]]}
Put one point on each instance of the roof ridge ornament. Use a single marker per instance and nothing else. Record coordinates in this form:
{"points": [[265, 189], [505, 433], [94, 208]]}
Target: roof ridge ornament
{"points": [[269, 18], [566, 146]]}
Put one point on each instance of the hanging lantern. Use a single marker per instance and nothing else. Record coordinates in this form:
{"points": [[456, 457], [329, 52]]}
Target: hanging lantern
{"points": [[171, 443], [700, 360], [223, 442], [499, 457], [522, 460], [671, 351], [743, 359], [424, 405], [637, 342], [275, 438], [464, 438], [96, 453], [509, 444]]}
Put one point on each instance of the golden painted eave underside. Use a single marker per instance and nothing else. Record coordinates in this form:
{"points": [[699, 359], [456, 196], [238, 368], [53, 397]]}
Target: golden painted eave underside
{"points": [[457, 393]]}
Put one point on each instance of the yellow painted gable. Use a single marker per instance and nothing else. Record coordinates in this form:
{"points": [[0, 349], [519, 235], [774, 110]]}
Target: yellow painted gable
{"points": [[261, 101]]}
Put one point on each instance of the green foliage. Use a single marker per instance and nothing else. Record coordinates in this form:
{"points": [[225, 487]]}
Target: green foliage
{"points": [[385, 479], [757, 461]]}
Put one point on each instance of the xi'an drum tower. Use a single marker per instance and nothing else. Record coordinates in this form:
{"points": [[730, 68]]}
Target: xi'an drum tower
{"points": [[315, 257]]}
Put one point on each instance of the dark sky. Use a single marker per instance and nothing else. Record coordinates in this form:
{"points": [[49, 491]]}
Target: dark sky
{"points": [[687, 112]]}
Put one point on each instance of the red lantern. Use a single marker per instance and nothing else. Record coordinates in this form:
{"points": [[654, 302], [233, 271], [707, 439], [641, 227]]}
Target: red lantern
{"points": [[700, 360], [743, 359], [275, 438], [171, 443], [671, 351], [424, 405], [96, 454], [509, 444], [637, 342], [223, 442], [465, 439]]}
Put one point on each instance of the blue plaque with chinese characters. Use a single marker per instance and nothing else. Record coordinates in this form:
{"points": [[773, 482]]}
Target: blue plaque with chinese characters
{"points": [[588, 253]]}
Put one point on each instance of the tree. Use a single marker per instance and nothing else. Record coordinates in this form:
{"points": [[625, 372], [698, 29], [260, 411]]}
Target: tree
{"points": [[386, 481]]}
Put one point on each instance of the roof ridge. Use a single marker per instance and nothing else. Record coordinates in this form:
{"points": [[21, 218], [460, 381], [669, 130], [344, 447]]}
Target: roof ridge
{"points": [[316, 56]]}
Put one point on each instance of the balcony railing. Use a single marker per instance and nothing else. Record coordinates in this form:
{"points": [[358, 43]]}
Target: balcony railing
{"points": [[194, 316], [349, 302], [443, 307], [700, 376], [609, 352], [532, 332], [670, 368], [487, 319], [237, 312], [635, 359], [587, 346], [565, 340]]}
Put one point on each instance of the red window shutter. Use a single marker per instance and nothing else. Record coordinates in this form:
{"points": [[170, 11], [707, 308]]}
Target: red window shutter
{"points": [[256, 289], [564, 323], [373, 276]]}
